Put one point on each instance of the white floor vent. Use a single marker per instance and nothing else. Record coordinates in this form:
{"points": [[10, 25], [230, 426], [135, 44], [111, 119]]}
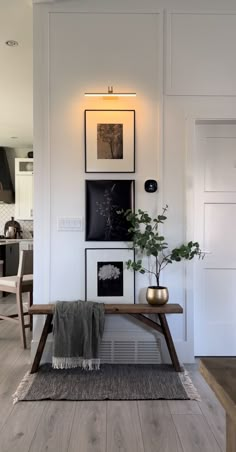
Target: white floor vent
{"points": [[130, 351]]}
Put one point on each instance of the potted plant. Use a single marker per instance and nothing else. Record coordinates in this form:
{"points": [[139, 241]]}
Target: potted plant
{"points": [[148, 241]]}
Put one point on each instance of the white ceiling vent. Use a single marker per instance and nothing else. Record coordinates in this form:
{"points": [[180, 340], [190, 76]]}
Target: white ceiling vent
{"points": [[130, 351]]}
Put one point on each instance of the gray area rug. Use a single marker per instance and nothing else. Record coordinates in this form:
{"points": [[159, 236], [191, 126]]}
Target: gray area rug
{"points": [[111, 382]]}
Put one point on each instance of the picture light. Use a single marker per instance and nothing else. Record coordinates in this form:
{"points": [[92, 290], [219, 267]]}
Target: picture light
{"points": [[110, 94]]}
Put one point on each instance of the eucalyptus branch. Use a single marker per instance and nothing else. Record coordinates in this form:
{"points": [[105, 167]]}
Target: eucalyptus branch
{"points": [[165, 259], [148, 241], [164, 266], [148, 271]]}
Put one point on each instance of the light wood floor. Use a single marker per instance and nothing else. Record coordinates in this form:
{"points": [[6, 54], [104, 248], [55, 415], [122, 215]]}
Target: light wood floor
{"points": [[142, 426]]}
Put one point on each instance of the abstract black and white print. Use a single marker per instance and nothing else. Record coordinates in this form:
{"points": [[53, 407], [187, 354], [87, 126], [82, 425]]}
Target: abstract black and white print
{"points": [[104, 200]]}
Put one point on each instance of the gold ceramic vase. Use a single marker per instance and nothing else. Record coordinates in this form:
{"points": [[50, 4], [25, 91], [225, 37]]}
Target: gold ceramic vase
{"points": [[157, 295]]}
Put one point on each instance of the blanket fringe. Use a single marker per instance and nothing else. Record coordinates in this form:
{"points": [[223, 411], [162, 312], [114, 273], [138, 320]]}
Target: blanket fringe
{"points": [[189, 386], [71, 363], [23, 387]]}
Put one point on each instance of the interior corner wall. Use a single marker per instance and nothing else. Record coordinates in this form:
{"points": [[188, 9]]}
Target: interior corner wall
{"points": [[87, 47]]}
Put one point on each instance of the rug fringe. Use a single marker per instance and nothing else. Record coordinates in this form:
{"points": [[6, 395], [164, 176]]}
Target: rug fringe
{"points": [[23, 387], [189, 386], [71, 363]]}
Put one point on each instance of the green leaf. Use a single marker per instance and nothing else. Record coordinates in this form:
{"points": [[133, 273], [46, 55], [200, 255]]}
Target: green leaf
{"points": [[161, 217]]}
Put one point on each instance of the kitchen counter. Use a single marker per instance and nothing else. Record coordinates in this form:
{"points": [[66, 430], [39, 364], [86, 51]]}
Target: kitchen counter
{"points": [[11, 241]]}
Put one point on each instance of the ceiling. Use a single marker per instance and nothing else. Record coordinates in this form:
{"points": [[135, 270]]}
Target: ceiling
{"points": [[16, 74]]}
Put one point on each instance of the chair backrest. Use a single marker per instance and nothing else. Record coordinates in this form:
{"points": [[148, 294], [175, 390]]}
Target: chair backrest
{"points": [[25, 263]]}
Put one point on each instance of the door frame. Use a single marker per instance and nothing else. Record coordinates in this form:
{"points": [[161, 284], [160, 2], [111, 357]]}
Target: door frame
{"points": [[190, 181]]}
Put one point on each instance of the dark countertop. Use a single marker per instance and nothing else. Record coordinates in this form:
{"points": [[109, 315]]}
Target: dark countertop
{"points": [[11, 241]]}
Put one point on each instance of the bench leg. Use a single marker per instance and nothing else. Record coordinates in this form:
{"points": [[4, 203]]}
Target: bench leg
{"points": [[163, 328], [169, 342], [46, 330]]}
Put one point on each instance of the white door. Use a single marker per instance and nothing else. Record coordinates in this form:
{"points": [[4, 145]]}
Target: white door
{"points": [[215, 229]]}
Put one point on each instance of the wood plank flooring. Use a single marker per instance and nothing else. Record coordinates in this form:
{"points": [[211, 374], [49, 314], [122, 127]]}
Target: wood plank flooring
{"points": [[112, 426]]}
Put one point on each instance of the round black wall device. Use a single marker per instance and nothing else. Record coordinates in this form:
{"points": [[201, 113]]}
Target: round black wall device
{"points": [[150, 185]]}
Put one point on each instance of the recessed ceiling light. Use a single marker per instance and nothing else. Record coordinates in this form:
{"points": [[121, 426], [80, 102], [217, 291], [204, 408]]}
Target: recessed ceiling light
{"points": [[11, 43]]}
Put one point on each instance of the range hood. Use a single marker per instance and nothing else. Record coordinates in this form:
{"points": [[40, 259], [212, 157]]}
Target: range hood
{"points": [[6, 187]]}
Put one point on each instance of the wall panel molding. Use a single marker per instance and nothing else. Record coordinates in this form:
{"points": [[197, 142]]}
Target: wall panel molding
{"points": [[200, 48]]}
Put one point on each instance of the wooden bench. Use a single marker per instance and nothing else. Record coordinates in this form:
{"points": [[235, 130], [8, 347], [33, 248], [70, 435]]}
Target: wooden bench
{"points": [[136, 311], [220, 374]]}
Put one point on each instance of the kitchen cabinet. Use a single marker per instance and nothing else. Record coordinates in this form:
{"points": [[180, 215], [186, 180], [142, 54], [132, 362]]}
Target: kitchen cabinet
{"points": [[9, 254], [24, 188]]}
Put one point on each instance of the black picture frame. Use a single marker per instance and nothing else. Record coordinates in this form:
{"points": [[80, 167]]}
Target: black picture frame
{"points": [[107, 279], [104, 199], [109, 140]]}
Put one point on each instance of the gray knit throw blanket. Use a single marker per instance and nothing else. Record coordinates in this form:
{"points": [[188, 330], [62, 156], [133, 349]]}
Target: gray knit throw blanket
{"points": [[77, 329]]}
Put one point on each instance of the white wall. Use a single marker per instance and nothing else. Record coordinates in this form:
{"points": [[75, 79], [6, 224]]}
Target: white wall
{"points": [[87, 46]]}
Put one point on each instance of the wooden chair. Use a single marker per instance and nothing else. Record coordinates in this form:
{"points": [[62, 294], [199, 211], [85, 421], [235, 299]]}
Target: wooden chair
{"points": [[22, 282]]}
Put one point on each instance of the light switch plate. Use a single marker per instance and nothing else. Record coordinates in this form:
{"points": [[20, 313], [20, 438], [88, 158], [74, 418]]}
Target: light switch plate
{"points": [[70, 224]]}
